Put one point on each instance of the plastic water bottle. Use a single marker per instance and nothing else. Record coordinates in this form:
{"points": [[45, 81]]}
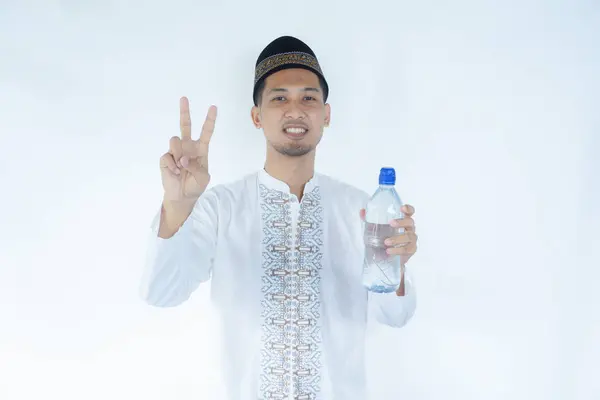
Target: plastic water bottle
{"points": [[381, 272]]}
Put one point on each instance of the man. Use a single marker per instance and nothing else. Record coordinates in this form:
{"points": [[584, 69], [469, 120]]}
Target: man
{"points": [[282, 247]]}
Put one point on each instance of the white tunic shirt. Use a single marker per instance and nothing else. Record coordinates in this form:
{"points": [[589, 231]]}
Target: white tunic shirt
{"points": [[286, 281]]}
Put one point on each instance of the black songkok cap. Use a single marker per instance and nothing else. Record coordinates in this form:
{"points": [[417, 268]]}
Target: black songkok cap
{"points": [[283, 53]]}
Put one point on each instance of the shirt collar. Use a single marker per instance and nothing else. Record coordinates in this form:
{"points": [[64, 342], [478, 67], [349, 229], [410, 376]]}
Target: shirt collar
{"points": [[276, 184]]}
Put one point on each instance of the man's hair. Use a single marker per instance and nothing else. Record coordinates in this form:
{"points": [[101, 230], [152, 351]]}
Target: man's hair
{"points": [[260, 88]]}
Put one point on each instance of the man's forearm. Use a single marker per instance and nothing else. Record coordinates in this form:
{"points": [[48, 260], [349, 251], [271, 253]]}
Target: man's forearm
{"points": [[173, 215], [395, 309]]}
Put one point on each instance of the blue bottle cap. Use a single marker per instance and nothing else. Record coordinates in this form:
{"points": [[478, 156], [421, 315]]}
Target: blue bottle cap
{"points": [[387, 176]]}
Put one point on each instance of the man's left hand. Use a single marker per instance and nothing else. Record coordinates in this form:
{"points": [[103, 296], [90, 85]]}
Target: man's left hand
{"points": [[404, 244]]}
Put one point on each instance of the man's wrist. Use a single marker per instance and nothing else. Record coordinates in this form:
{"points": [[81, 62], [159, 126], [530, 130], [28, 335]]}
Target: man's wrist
{"points": [[173, 215], [401, 291]]}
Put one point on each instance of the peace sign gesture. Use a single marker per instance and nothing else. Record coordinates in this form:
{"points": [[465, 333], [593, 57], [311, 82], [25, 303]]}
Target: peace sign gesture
{"points": [[184, 168]]}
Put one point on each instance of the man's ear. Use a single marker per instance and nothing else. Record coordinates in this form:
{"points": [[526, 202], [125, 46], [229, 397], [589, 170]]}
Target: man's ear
{"points": [[255, 115], [327, 114]]}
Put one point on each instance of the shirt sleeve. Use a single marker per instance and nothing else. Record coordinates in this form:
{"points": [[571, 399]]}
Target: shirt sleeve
{"points": [[175, 267], [393, 310]]}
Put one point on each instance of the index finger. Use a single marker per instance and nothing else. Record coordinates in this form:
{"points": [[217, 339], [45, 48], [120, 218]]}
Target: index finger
{"points": [[209, 125], [408, 209], [185, 121]]}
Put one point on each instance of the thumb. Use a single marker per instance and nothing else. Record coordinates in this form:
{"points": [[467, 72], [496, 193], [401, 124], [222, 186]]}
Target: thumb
{"points": [[193, 167], [363, 213]]}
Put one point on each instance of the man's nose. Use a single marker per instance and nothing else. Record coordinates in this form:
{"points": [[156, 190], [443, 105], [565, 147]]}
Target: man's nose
{"points": [[295, 111]]}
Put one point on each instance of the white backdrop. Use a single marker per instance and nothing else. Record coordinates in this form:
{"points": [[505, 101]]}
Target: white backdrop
{"points": [[488, 111]]}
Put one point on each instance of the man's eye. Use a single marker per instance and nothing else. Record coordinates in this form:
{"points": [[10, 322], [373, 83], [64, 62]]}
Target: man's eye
{"points": [[278, 98], [309, 98]]}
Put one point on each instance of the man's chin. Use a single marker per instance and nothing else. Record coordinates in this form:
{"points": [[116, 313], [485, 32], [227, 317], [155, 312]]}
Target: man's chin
{"points": [[294, 151]]}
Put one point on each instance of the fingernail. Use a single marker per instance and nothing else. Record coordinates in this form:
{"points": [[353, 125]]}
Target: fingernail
{"points": [[394, 223], [177, 171], [388, 242], [184, 162]]}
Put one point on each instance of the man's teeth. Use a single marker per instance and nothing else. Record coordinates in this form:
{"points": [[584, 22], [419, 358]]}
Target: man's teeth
{"points": [[295, 131]]}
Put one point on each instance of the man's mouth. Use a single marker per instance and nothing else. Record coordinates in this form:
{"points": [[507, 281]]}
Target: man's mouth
{"points": [[295, 132]]}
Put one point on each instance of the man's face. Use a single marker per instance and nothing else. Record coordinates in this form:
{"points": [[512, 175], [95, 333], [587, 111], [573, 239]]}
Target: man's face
{"points": [[292, 112]]}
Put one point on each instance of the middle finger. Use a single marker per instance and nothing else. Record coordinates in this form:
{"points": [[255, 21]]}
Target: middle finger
{"points": [[407, 223], [185, 121], [402, 239]]}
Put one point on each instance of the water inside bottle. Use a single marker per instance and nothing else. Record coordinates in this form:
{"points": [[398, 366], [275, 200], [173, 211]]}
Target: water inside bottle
{"points": [[382, 271]]}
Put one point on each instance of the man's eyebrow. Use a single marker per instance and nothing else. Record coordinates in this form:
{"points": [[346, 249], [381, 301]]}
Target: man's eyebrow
{"points": [[306, 89]]}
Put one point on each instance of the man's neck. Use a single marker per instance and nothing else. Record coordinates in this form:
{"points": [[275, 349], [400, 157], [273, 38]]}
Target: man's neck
{"points": [[295, 171]]}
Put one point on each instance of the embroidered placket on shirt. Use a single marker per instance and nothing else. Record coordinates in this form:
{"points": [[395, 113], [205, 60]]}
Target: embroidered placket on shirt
{"points": [[292, 257]]}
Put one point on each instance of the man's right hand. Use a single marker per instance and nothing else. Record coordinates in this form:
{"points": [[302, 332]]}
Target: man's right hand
{"points": [[184, 168]]}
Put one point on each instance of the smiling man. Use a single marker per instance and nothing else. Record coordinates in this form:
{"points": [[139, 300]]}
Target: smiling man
{"points": [[282, 247]]}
